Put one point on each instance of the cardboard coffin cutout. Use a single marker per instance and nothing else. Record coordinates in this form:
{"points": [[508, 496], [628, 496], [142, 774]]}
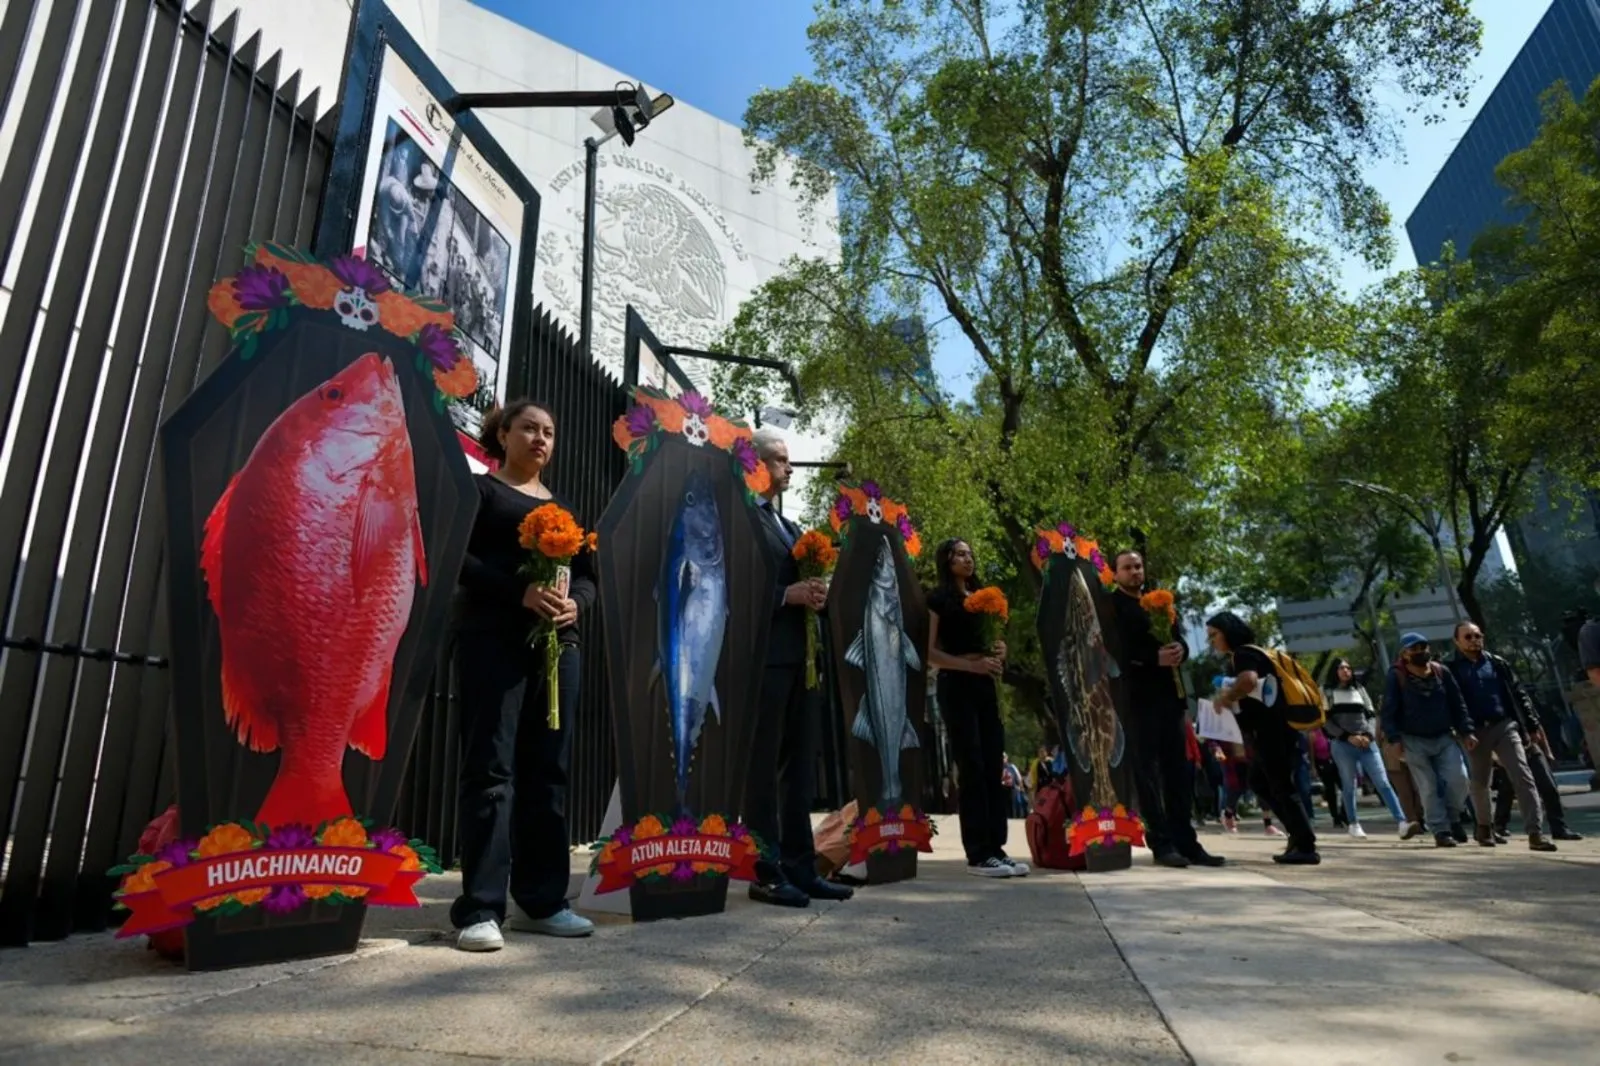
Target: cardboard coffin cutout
{"points": [[687, 588], [1078, 640], [318, 510], [879, 630]]}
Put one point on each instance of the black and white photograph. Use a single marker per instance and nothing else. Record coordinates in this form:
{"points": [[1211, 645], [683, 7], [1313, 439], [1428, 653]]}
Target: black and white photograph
{"points": [[428, 237]]}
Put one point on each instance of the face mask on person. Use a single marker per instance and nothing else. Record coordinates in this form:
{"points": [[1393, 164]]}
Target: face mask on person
{"points": [[1420, 657]]}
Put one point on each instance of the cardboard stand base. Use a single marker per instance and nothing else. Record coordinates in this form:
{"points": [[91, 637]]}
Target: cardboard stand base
{"points": [[609, 905], [883, 869], [1109, 857]]}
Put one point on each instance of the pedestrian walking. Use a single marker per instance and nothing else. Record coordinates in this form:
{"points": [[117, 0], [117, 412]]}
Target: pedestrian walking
{"points": [[1425, 714], [1489, 686], [1352, 729]]}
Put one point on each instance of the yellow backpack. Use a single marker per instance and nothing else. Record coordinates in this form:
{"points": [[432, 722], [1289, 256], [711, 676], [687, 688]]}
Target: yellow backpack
{"points": [[1300, 697]]}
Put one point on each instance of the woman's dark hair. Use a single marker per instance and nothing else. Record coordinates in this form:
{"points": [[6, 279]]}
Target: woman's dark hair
{"points": [[1333, 671], [1235, 630], [941, 562], [489, 434]]}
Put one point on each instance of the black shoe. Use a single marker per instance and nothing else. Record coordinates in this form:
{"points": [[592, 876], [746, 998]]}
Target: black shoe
{"points": [[1565, 834], [1502, 836], [1201, 857], [1458, 832], [779, 894], [1172, 859], [1537, 842], [1298, 858], [1484, 838], [1443, 840], [817, 888]]}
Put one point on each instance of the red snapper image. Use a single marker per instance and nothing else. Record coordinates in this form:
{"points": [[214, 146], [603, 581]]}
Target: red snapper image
{"points": [[311, 559]]}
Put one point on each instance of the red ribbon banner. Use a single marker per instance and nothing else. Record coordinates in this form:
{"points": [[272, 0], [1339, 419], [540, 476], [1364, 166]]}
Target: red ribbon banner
{"points": [[1103, 828], [909, 835], [628, 862], [177, 890]]}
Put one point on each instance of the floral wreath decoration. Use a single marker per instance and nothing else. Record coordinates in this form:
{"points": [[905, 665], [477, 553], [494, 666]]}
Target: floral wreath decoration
{"points": [[260, 296], [868, 501], [655, 415], [1065, 540], [879, 832], [1104, 828], [683, 849], [280, 868]]}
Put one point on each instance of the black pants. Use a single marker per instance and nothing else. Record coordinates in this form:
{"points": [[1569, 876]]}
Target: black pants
{"points": [[1273, 765], [1328, 772], [1549, 793], [781, 781], [1163, 776], [971, 711], [513, 792]]}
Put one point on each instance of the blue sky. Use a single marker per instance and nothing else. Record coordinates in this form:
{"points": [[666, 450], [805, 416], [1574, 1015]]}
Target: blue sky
{"points": [[715, 53]]}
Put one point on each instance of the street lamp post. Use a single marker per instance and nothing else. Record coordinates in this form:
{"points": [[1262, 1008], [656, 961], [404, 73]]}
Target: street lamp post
{"points": [[624, 111]]}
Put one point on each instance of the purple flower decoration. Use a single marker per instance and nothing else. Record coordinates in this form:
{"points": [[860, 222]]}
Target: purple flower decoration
{"points": [[439, 345], [283, 899], [903, 524], [684, 827], [1041, 548], [872, 490], [359, 274], [696, 404], [641, 420], [623, 836], [384, 839], [894, 847], [260, 288], [745, 452], [683, 872], [177, 852], [1066, 530], [292, 835], [1097, 559], [739, 831], [842, 508]]}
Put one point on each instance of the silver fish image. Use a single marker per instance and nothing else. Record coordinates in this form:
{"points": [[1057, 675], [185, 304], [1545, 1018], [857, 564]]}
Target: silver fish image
{"points": [[884, 652], [691, 618], [1085, 668]]}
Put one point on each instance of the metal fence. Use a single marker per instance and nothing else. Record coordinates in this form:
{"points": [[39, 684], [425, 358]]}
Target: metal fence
{"points": [[147, 147]]}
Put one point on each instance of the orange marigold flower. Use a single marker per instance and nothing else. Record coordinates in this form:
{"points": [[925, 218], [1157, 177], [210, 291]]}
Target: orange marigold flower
{"points": [[758, 480], [908, 813], [988, 601], [874, 816], [143, 879], [914, 545], [459, 381], [225, 840], [701, 867], [723, 433], [224, 302], [1156, 600], [815, 551], [314, 286], [410, 860], [649, 826], [252, 896], [591, 543], [714, 826], [668, 412], [345, 833], [551, 531], [665, 869], [400, 315]]}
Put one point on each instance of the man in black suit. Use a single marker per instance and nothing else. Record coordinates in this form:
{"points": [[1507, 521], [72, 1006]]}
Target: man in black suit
{"points": [[781, 779], [1157, 709]]}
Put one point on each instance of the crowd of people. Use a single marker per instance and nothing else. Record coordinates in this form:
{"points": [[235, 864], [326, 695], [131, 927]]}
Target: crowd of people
{"points": [[1442, 734]]}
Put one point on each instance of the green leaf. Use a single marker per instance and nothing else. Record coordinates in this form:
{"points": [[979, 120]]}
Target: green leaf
{"points": [[123, 870]]}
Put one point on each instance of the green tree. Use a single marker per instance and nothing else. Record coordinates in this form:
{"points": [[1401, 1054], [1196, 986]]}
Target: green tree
{"points": [[1114, 204]]}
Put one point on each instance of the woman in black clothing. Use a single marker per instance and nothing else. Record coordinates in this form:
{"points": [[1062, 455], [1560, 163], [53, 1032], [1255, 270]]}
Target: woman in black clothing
{"points": [[970, 706], [1253, 690], [513, 765]]}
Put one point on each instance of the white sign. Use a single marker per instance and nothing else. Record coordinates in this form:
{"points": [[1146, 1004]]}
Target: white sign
{"points": [[1213, 724]]}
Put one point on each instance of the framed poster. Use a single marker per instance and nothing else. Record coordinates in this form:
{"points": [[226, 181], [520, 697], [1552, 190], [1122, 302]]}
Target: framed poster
{"points": [[432, 200]]}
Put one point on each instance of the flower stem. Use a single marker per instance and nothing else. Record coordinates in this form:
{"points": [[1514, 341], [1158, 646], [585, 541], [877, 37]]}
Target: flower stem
{"points": [[552, 684], [811, 649]]}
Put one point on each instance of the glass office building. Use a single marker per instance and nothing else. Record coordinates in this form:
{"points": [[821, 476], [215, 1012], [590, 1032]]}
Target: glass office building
{"points": [[1465, 198]]}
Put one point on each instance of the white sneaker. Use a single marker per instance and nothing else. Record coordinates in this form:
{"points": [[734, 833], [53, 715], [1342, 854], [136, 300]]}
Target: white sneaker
{"points": [[561, 923], [991, 868], [1018, 868], [1357, 832], [1274, 831], [480, 936], [1408, 830]]}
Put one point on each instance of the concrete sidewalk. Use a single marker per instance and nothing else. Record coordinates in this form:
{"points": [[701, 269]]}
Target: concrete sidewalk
{"points": [[1335, 964]]}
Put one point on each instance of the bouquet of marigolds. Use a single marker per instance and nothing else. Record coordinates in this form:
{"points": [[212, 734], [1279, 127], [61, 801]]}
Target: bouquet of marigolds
{"points": [[815, 553], [1158, 604], [993, 612], [551, 537]]}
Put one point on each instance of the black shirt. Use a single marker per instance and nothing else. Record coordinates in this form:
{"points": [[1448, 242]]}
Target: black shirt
{"points": [[491, 591], [1151, 686], [960, 631]]}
